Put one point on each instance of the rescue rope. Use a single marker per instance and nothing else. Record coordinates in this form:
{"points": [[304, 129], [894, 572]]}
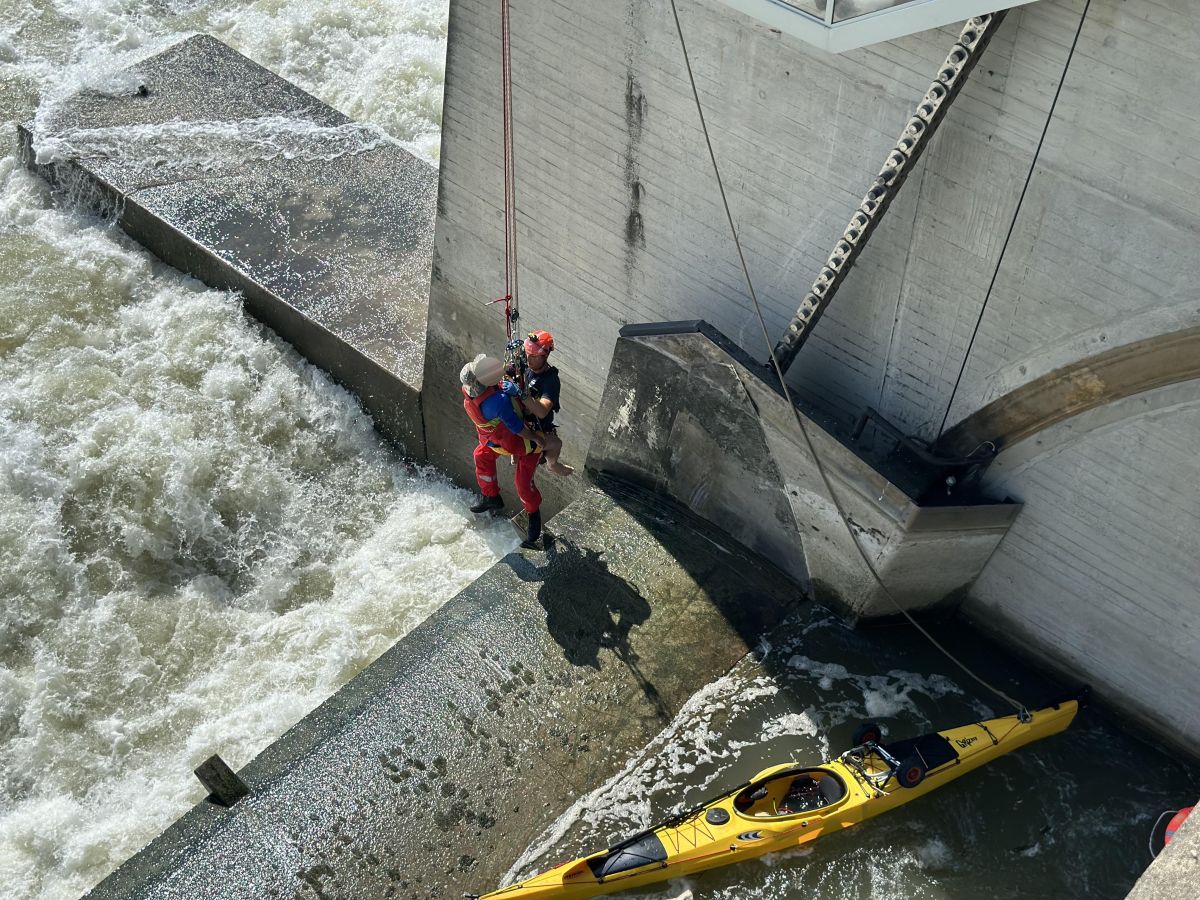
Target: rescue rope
{"points": [[1170, 812], [511, 310], [1022, 710]]}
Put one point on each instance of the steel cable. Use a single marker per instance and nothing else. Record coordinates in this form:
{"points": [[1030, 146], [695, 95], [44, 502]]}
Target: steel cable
{"points": [[1020, 707]]}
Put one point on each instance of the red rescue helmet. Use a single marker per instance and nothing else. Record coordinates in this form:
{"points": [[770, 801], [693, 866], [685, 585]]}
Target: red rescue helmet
{"points": [[539, 343]]}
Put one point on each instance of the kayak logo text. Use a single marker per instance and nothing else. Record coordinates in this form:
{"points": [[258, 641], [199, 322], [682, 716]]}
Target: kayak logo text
{"points": [[965, 742]]}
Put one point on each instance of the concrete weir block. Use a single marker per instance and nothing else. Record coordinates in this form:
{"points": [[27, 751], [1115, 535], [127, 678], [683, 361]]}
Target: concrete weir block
{"points": [[231, 174], [1175, 873], [688, 414], [431, 772]]}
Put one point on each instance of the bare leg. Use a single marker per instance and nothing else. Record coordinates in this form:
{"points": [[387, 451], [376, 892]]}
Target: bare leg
{"points": [[553, 448]]}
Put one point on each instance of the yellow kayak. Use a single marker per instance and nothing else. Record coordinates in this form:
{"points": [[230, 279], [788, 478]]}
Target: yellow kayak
{"points": [[788, 805]]}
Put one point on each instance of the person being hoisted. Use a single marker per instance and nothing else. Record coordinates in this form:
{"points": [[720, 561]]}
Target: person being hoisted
{"points": [[542, 389], [495, 409]]}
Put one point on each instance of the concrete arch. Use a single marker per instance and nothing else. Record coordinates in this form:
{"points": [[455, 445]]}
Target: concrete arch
{"points": [[1160, 347], [1149, 406], [1098, 572]]}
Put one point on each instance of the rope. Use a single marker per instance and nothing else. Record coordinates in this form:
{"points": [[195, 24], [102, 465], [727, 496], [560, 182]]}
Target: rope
{"points": [[1154, 853], [1013, 224], [510, 176], [1020, 707]]}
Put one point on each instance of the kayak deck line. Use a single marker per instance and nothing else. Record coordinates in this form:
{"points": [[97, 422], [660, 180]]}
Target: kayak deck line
{"points": [[788, 805]]}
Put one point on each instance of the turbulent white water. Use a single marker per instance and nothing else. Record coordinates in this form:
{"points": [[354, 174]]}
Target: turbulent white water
{"points": [[200, 535]]}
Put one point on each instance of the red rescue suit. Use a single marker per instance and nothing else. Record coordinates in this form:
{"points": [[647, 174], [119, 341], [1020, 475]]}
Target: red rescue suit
{"points": [[495, 439]]}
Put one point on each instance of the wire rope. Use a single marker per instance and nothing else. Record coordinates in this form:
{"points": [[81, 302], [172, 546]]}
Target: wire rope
{"points": [[1013, 224], [510, 173], [1020, 707]]}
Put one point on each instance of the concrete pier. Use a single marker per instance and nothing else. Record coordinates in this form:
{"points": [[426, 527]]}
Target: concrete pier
{"points": [[429, 773], [692, 417], [1175, 872], [233, 175]]}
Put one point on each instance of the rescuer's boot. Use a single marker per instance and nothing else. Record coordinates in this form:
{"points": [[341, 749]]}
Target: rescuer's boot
{"points": [[489, 504], [535, 531]]}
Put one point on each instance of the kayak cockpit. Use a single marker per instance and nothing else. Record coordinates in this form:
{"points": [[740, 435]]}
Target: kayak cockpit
{"points": [[790, 793]]}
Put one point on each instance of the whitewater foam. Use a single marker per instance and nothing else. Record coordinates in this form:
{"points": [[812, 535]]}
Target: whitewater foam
{"points": [[210, 145], [201, 537]]}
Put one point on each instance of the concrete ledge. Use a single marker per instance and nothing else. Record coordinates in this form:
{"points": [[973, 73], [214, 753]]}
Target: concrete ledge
{"points": [[1175, 872], [685, 413], [428, 774], [229, 173]]}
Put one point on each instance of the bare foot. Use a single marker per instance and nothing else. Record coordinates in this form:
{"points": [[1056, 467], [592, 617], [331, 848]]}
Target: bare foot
{"points": [[560, 468]]}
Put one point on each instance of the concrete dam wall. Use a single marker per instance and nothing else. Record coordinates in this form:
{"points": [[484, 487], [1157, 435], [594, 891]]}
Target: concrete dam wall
{"points": [[620, 222]]}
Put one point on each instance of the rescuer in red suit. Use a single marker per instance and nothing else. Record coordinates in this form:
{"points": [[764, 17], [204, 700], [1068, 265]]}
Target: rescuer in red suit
{"points": [[495, 409]]}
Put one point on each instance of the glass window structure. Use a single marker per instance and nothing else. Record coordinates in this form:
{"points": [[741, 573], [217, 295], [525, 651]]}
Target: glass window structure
{"points": [[840, 25]]}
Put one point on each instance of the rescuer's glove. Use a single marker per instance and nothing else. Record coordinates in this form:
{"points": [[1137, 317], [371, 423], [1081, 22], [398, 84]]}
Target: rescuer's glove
{"points": [[510, 388]]}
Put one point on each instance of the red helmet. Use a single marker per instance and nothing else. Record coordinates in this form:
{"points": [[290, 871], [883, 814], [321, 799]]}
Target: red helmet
{"points": [[539, 343]]}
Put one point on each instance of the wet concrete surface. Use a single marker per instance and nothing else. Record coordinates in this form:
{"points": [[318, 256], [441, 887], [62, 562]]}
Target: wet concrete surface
{"points": [[428, 774], [1175, 873], [233, 175]]}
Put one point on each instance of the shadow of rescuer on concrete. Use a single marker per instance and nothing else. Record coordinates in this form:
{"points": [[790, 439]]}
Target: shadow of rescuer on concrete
{"points": [[498, 418]]}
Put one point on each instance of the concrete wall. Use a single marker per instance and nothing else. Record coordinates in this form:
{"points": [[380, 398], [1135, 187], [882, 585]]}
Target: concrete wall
{"points": [[233, 175], [619, 217], [690, 417], [1110, 595], [620, 222]]}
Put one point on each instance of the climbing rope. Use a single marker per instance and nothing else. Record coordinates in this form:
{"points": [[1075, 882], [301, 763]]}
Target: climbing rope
{"points": [[1022, 710], [514, 351], [511, 309]]}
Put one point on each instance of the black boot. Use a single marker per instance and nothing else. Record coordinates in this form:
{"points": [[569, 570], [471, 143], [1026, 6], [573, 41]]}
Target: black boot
{"points": [[535, 531], [488, 504]]}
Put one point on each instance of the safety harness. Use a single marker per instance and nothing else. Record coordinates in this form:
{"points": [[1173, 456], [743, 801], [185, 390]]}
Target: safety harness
{"points": [[492, 431]]}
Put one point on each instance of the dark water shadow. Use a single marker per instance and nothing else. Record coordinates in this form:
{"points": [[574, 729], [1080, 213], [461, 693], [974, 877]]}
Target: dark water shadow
{"points": [[766, 607]]}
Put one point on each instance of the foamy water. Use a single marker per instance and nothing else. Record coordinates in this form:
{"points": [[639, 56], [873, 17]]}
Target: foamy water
{"points": [[201, 537], [210, 145]]}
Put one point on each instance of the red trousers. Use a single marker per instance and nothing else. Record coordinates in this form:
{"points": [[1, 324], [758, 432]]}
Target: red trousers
{"points": [[485, 475]]}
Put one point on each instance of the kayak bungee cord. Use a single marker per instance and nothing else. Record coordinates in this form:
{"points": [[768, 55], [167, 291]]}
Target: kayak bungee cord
{"points": [[1022, 709]]}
